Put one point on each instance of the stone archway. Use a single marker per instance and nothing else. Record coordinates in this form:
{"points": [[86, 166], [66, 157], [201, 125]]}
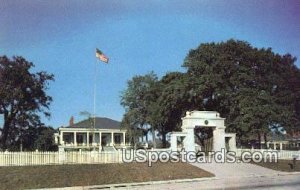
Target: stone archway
{"points": [[203, 119]]}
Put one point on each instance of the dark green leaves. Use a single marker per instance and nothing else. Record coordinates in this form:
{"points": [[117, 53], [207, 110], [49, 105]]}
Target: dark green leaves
{"points": [[22, 97]]}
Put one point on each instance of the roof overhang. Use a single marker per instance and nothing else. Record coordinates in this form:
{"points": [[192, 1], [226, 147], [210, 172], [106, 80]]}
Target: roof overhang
{"points": [[90, 129]]}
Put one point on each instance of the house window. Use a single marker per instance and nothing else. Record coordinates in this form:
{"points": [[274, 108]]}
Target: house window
{"points": [[117, 139], [79, 138]]}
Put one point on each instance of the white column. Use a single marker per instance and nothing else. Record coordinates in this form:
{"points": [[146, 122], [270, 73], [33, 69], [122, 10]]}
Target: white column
{"points": [[87, 138], [124, 139], [84, 139], [112, 139], [274, 144], [219, 138], [56, 135], [100, 139], [75, 139], [280, 146], [173, 142], [94, 139], [61, 138], [189, 141], [232, 143]]}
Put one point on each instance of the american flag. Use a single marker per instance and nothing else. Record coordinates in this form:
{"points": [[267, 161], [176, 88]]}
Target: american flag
{"points": [[101, 56]]}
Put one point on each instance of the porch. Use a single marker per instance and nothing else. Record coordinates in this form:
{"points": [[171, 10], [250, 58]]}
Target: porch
{"points": [[85, 138]]}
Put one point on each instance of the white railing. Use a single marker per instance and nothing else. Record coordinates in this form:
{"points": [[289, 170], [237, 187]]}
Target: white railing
{"points": [[55, 158], [282, 154]]}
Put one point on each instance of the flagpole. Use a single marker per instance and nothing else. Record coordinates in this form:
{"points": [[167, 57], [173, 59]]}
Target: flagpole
{"points": [[95, 92], [103, 58]]}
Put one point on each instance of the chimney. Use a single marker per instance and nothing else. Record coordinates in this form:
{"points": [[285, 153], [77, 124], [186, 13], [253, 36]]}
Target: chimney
{"points": [[71, 122]]}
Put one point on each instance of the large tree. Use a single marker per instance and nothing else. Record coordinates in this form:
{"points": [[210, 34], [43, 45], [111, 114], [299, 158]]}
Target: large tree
{"points": [[255, 89], [35, 138], [155, 105], [22, 98], [136, 99], [173, 101]]}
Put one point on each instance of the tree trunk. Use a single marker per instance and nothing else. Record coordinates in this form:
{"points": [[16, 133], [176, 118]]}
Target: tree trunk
{"points": [[164, 140], [146, 136], [259, 140], [265, 139], [239, 141], [200, 140], [134, 137]]}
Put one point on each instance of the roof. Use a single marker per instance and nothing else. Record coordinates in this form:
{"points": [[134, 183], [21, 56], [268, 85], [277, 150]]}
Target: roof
{"points": [[101, 123]]}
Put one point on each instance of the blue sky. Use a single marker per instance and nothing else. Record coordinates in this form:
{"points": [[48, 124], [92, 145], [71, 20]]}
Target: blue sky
{"points": [[60, 37]]}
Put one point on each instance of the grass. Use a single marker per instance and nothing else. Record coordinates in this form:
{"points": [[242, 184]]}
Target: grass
{"points": [[24, 177], [281, 165]]}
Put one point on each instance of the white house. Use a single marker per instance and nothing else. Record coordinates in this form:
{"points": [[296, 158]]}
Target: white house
{"points": [[94, 133]]}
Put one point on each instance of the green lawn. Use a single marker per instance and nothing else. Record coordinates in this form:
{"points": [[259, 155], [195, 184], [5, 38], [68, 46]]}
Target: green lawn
{"points": [[83, 175], [281, 165]]}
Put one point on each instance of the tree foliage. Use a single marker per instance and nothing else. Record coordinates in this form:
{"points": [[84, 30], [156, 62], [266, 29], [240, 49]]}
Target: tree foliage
{"points": [[136, 100], [22, 98], [171, 103], [256, 90], [35, 138]]}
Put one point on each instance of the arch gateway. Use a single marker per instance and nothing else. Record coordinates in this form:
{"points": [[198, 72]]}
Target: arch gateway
{"points": [[203, 120]]}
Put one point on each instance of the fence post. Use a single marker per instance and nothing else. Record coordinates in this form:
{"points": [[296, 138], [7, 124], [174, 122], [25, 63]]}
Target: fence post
{"points": [[119, 156], [61, 155]]}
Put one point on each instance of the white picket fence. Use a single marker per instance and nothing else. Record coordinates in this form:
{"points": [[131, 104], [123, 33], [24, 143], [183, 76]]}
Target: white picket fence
{"points": [[94, 157], [282, 154], [55, 158]]}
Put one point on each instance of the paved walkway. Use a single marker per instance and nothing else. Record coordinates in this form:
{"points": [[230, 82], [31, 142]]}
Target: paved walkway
{"points": [[225, 170], [277, 182], [286, 182]]}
